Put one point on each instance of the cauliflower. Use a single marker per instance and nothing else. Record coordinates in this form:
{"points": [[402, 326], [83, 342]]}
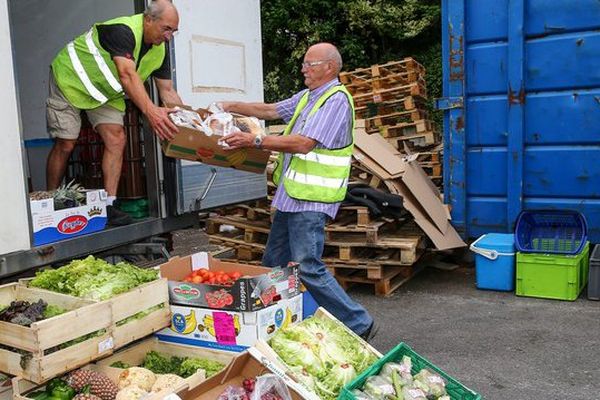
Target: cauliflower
{"points": [[136, 376], [167, 381], [131, 393]]}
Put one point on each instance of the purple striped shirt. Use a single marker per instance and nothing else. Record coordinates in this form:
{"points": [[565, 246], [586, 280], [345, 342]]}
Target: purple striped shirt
{"points": [[329, 126]]}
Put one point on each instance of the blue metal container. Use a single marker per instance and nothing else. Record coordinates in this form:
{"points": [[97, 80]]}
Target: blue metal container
{"points": [[495, 261], [522, 110]]}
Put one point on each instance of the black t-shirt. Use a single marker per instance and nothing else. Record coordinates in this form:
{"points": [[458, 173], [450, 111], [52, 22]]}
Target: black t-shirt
{"points": [[119, 41]]}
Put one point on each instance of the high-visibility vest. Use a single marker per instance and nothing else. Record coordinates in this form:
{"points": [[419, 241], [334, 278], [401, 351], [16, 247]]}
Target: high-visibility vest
{"points": [[322, 174], [86, 73]]}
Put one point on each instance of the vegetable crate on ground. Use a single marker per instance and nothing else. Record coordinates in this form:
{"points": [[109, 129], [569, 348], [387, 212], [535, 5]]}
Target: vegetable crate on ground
{"points": [[134, 355], [455, 389], [113, 323], [41, 351]]}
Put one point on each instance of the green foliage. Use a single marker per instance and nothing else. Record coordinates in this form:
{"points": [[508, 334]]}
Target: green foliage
{"points": [[365, 31]]}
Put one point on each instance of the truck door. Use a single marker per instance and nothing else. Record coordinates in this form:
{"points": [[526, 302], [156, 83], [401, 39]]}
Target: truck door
{"points": [[217, 56]]}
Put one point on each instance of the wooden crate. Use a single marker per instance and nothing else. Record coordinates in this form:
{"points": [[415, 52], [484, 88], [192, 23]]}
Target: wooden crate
{"points": [[118, 333], [140, 299], [134, 355], [38, 359]]}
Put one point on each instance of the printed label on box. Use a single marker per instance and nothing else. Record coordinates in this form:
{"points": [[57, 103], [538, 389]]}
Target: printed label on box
{"points": [[224, 328]]}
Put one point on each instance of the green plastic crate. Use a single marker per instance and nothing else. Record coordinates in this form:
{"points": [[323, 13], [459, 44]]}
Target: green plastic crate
{"points": [[455, 389], [552, 276], [136, 208]]}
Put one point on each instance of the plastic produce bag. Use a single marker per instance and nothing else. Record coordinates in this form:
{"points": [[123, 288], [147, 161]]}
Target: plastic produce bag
{"points": [[378, 387], [402, 369], [270, 387], [186, 118], [233, 393], [413, 394], [432, 383], [361, 395]]}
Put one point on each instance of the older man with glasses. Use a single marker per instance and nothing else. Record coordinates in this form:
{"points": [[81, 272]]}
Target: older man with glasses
{"points": [[93, 73], [312, 173]]}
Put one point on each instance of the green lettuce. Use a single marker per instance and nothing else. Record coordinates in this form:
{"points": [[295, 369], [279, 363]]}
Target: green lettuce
{"points": [[93, 278]]}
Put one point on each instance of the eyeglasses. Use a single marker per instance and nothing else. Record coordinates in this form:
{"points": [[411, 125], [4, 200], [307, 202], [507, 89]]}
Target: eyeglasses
{"points": [[307, 64]]}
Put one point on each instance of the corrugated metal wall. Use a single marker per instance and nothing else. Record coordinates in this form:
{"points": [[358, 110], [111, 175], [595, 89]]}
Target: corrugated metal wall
{"points": [[522, 126]]}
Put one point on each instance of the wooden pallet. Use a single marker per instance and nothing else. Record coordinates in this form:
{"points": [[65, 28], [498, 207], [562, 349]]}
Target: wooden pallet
{"points": [[375, 123], [377, 96], [407, 103], [391, 68], [391, 278], [402, 128], [250, 212], [360, 215], [343, 229], [251, 231], [413, 141], [359, 85], [393, 249]]}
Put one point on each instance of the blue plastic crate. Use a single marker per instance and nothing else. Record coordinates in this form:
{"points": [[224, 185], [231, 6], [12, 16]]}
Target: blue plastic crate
{"points": [[550, 232]]}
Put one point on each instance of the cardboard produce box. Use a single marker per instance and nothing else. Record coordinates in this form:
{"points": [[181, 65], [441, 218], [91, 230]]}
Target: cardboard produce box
{"points": [[257, 288], [50, 225], [233, 331], [195, 145], [248, 365]]}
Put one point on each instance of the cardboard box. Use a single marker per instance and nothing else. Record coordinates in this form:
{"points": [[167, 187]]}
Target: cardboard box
{"points": [[194, 145], [258, 287], [275, 362], [51, 225], [232, 331], [249, 364], [405, 177]]}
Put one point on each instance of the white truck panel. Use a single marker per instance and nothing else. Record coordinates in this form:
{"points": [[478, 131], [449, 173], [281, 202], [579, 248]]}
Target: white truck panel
{"points": [[14, 234]]}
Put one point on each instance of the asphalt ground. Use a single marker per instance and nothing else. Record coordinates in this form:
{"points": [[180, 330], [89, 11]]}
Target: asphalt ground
{"points": [[500, 345]]}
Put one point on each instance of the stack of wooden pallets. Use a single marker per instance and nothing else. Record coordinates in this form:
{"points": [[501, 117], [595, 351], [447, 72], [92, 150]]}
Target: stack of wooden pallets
{"points": [[358, 248], [391, 99]]}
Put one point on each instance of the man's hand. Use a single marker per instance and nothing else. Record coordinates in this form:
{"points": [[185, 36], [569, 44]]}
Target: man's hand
{"points": [[159, 120], [239, 140]]}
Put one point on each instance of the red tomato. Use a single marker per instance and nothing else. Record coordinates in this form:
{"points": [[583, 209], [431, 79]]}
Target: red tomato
{"points": [[235, 275], [197, 279]]}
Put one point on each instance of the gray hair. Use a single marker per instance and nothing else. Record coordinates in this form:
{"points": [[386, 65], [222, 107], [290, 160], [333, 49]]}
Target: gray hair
{"points": [[335, 56], [156, 8]]}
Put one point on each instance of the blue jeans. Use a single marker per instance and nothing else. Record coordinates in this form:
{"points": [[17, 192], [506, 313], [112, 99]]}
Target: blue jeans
{"points": [[299, 237]]}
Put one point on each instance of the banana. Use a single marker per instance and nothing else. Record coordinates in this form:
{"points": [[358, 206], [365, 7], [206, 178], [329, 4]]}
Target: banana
{"points": [[288, 319], [236, 324], [237, 157], [190, 323], [209, 324]]}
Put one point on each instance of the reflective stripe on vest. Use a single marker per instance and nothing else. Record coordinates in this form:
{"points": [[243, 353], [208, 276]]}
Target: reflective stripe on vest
{"points": [[314, 180], [108, 75], [325, 159], [83, 76]]}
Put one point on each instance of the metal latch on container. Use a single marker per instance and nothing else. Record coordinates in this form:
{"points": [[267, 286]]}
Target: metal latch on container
{"points": [[447, 103]]}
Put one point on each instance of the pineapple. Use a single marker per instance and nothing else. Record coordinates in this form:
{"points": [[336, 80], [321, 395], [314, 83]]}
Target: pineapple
{"points": [[70, 195], [99, 384]]}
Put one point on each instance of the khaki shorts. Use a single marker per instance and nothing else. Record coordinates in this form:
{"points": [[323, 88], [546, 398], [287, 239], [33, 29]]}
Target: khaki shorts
{"points": [[64, 121]]}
